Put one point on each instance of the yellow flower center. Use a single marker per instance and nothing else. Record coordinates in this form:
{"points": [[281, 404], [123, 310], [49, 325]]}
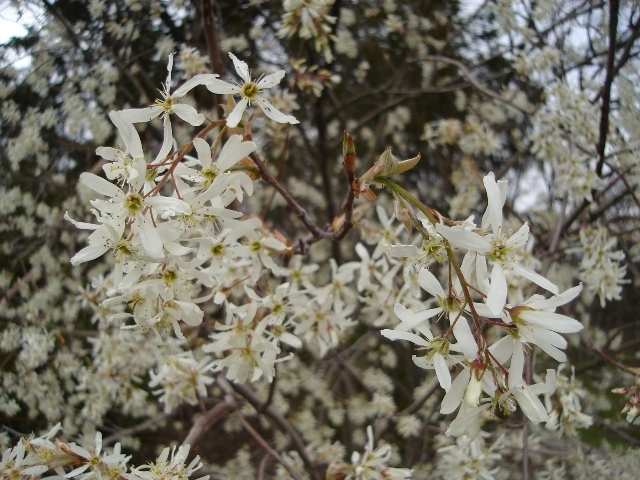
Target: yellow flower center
{"points": [[250, 90]]}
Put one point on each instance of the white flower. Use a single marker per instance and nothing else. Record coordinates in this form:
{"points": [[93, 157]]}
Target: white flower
{"points": [[538, 324], [438, 358], [128, 207], [168, 104], [370, 465], [128, 166], [496, 246], [250, 92]]}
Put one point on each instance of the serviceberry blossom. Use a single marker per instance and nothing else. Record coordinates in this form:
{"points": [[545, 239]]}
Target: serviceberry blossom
{"points": [[170, 104], [249, 92], [493, 244], [372, 464]]}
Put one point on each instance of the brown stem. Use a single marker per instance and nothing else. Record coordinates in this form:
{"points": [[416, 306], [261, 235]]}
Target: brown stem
{"points": [[206, 421], [211, 33], [278, 419]]}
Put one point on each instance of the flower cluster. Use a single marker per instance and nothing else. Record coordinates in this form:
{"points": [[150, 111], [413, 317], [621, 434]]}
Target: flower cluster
{"points": [[33, 457], [484, 383]]}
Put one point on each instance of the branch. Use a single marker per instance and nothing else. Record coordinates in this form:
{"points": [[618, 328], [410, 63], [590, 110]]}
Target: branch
{"points": [[466, 73], [614, 6], [208, 420], [303, 215], [278, 419]]}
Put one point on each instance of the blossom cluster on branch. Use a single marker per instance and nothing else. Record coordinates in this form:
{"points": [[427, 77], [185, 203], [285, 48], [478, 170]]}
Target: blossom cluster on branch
{"points": [[416, 304]]}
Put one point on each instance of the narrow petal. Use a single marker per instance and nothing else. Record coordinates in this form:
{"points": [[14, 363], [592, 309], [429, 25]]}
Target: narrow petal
{"points": [[100, 185], [557, 300], [89, 253], [534, 277], [221, 87], [464, 239], [236, 115], [241, 68], [271, 80], [203, 79], [411, 319], [482, 275], [497, 295], [273, 113], [519, 239], [233, 151], [442, 371], [81, 225], [188, 114], [108, 153], [430, 283], [138, 115], [495, 204], [167, 141], [466, 343], [552, 321], [204, 152], [516, 368], [128, 133], [531, 405], [454, 396], [167, 203], [150, 238], [398, 335]]}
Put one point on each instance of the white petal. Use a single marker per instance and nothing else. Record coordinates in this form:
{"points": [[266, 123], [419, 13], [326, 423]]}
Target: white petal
{"points": [[454, 396], [271, 80], [516, 368], [430, 283], [236, 115], [108, 153], [557, 300], [191, 313], [203, 79], [273, 113], [204, 152], [412, 319], [503, 349], [100, 185], [233, 151], [531, 405], [497, 295], [519, 239], [534, 277], [167, 203], [81, 225], [221, 87], [150, 238], [88, 253], [137, 115], [188, 114], [128, 133], [495, 204], [398, 335], [464, 239], [169, 69], [481, 273], [442, 371], [241, 68], [552, 321], [466, 343], [167, 141], [36, 470], [290, 339]]}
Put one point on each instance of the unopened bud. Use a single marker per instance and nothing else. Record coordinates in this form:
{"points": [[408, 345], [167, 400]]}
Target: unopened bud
{"points": [[403, 212], [349, 153]]}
